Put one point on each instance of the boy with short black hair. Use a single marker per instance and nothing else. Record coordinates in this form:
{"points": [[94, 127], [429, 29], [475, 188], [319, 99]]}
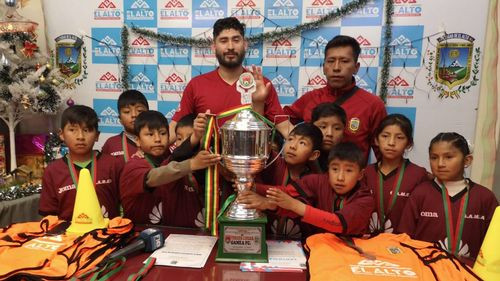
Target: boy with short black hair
{"points": [[301, 148], [151, 188], [130, 104], [330, 119], [335, 201], [79, 131]]}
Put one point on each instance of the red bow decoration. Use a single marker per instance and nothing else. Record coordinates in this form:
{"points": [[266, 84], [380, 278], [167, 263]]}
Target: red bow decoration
{"points": [[29, 49]]}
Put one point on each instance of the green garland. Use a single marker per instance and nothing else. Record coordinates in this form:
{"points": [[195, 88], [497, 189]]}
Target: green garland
{"points": [[386, 64], [125, 50], [286, 32], [19, 191]]}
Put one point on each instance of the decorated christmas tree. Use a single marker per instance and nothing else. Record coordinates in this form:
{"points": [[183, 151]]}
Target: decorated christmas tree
{"points": [[28, 81]]}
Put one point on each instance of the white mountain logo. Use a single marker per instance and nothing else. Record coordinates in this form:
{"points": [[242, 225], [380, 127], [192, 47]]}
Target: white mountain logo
{"points": [[319, 41], [401, 41], [107, 41], [209, 4], [463, 248], [280, 80], [375, 224], [283, 3], [140, 77], [140, 4], [156, 214], [108, 111]]}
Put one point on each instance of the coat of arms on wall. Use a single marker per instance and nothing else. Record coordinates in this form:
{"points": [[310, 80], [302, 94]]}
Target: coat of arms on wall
{"points": [[71, 59], [453, 68]]}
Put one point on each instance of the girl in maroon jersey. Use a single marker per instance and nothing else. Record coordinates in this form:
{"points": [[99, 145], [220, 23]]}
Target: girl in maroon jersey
{"points": [[452, 210], [393, 178]]}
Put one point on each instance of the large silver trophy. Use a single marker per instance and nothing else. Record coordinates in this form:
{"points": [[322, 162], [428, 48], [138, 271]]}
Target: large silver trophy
{"points": [[245, 149]]}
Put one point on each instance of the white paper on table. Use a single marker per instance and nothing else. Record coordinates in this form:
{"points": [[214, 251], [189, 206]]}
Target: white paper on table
{"points": [[283, 256], [182, 250]]}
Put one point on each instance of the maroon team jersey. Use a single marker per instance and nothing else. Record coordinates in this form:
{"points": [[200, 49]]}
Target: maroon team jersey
{"points": [[59, 191], [282, 227], [424, 216], [114, 147], [413, 176], [200, 95], [364, 112], [175, 204], [326, 207]]}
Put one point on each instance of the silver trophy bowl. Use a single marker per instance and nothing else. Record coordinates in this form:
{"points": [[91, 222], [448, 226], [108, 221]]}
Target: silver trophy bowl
{"points": [[245, 149]]}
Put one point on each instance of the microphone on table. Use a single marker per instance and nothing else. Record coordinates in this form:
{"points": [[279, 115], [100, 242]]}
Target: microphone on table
{"points": [[149, 240]]}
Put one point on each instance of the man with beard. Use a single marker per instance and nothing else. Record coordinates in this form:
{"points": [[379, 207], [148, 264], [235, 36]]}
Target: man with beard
{"points": [[217, 91]]}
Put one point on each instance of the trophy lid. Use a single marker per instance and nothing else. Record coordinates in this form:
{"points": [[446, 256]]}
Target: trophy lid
{"points": [[245, 120]]}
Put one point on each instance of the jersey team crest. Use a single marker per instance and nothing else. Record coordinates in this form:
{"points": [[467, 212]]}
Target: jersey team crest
{"points": [[354, 124], [454, 60]]}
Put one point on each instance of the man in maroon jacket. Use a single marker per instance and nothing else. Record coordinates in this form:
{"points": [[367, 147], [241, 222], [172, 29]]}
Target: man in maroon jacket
{"points": [[364, 110]]}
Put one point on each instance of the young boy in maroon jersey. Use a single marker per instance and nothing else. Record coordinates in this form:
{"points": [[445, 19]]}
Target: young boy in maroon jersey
{"points": [[335, 201], [301, 148], [79, 131], [330, 119], [151, 189], [450, 210], [130, 104]]}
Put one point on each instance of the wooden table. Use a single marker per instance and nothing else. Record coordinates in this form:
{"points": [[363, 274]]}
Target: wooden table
{"points": [[211, 271]]}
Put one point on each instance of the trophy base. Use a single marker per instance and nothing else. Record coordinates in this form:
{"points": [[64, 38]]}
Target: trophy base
{"points": [[242, 240]]}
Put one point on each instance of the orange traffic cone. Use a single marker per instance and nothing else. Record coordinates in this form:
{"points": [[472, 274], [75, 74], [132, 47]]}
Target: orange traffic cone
{"points": [[87, 214]]}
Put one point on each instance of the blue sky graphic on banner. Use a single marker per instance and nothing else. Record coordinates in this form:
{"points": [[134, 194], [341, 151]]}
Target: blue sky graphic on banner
{"points": [[313, 47], [107, 113], [367, 78], [407, 44], [143, 78], [206, 12], [285, 82], [140, 13], [409, 112], [168, 108], [369, 15], [106, 47], [175, 55], [283, 12]]}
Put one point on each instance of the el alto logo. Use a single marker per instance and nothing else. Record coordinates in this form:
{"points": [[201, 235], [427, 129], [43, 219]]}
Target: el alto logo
{"points": [[174, 85], [107, 4], [174, 4], [140, 4], [174, 78], [284, 87], [245, 3], [316, 81], [282, 42], [209, 4], [108, 83], [366, 50], [407, 8], [403, 48], [322, 3], [399, 88], [283, 3], [140, 41]]}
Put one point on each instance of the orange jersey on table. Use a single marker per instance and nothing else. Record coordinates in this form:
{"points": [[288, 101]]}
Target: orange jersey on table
{"points": [[57, 256], [382, 258]]}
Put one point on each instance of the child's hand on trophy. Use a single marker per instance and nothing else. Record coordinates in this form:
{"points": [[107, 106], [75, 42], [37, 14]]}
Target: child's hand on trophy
{"points": [[204, 159], [285, 201], [199, 128], [253, 200]]}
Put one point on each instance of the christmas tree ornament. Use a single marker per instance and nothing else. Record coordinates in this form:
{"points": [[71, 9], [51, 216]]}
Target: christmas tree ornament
{"points": [[42, 78], [55, 82], [49, 66], [70, 102], [25, 102], [4, 61], [29, 49], [13, 22]]}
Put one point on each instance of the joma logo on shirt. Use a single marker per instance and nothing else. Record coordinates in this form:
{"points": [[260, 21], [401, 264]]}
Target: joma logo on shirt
{"points": [[72, 186], [429, 214], [475, 217], [117, 153]]}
